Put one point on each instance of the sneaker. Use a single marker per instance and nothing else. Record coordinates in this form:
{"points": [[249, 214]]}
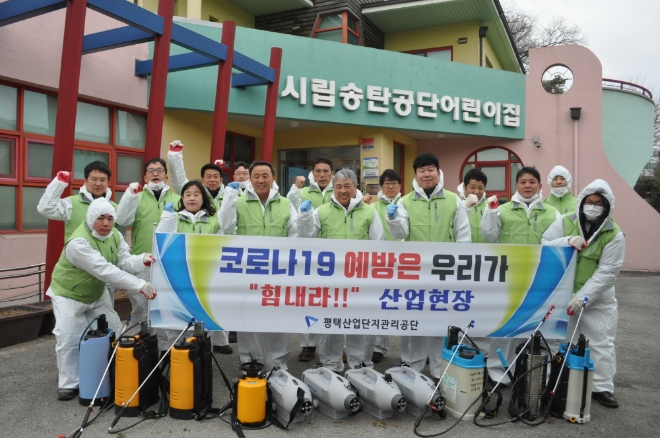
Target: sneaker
{"points": [[377, 357], [307, 354], [66, 393], [233, 337], [223, 349], [606, 399]]}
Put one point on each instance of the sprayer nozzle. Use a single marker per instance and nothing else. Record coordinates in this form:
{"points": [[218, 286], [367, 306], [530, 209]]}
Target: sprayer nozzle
{"points": [[552, 307]]}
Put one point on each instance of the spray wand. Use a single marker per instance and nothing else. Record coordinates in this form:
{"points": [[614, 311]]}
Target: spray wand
{"points": [[568, 348], [428, 403], [121, 412]]}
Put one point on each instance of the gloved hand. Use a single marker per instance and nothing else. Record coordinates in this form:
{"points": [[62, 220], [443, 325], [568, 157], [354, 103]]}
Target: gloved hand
{"points": [[306, 206], [65, 177], [176, 146], [392, 211], [148, 291], [234, 185], [470, 201], [219, 162], [577, 242], [134, 188], [573, 306], [169, 207], [148, 259], [493, 202], [300, 181]]}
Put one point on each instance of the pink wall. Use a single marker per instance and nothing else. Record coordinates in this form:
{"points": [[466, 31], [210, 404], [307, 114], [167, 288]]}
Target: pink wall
{"points": [[31, 52], [548, 117]]}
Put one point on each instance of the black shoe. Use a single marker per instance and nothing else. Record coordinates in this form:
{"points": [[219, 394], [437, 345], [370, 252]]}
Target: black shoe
{"points": [[377, 357], [344, 358], [223, 349], [606, 399], [307, 354], [66, 393], [233, 337]]}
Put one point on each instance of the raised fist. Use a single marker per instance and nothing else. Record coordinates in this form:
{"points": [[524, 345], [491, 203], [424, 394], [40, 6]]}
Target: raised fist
{"points": [[493, 202], [64, 176], [300, 181], [134, 188], [176, 146]]}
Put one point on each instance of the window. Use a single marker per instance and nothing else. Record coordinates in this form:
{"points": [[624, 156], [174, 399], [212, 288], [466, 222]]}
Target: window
{"points": [[103, 132], [398, 165], [237, 148], [500, 166], [341, 27], [442, 53]]}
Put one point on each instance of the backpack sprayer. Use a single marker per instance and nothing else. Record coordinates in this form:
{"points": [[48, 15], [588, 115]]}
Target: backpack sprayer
{"points": [[535, 388], [379, 394], [452, 339], [133, 348], [335, 396], [573, 402]]}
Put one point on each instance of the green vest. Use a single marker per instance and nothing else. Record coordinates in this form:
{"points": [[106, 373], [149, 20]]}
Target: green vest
{"points": [[475, 216], [335, 224], [205, 225], [565, 204], [72, 282], [315, 196], [381, 208], [217, 202], [517, 228], [79, 209], [148, 211], [253, 222], [588, 258], [431, 221]]}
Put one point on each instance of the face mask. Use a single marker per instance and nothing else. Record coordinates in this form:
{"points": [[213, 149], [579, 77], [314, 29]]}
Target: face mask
{"points": [[156, 186], [559, 191], [98, 236], [530, 200], [592, 212], [243, 184]]}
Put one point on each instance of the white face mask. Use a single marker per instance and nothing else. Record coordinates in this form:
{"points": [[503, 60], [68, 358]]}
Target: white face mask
{"points": [[156, 186], [592, 212], [559, 191], [530, 200], [243, 184]]}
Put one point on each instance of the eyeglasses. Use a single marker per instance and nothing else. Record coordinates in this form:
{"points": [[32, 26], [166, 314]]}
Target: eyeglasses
{"points": [[597, 203], [322, 171], [160, 171], [391, 183], [242, 173]]}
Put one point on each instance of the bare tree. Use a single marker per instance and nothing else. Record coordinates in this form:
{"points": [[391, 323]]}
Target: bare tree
{"points": [[528, 34]]}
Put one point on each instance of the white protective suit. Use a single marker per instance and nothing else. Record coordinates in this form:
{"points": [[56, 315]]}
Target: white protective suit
{"points": [[599, 318], [359, 348], [271, 349], [416, 349], [59, 209], [71, 316], [295, 193], [560, 171]]}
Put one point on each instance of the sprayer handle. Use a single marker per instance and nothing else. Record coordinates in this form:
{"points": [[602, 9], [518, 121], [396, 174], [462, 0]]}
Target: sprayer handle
{"points": [[505, 364], [584, 303]]}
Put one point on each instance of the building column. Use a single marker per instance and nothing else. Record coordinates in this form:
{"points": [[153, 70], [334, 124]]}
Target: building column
{"points": [[194, 9]]}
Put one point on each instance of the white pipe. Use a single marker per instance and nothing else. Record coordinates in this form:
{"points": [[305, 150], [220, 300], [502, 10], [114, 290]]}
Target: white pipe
{"points": [[575, 158]]}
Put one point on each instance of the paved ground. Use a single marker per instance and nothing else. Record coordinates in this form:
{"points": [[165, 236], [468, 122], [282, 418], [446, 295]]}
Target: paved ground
{"points": [[28, 387]]}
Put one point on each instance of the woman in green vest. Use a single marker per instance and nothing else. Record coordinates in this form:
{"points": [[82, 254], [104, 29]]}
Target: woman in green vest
{"points": [[559, 180], [602, 248], [94, 255]]}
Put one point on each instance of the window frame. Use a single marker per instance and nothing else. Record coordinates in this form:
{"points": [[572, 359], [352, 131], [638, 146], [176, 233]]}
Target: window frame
{"points": [[508, 193], [16, 171], [345, 30], [449, 49]]}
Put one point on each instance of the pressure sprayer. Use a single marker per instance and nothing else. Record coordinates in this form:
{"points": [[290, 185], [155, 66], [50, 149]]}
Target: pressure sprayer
{"points": [[129, 355], [523, 350], [531, 373], [191, 375], [250, 397], [433, 402], [571, 395], [95, 351]]}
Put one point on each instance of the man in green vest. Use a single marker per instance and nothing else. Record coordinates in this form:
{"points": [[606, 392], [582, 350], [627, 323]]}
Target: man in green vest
{"points": [[559, 180], [141, 209], [429, 213], [319, 192], [211, 174], [260, 211], [602, 248], [473, 193], [94, 254], [72, 209], [344, 217]]}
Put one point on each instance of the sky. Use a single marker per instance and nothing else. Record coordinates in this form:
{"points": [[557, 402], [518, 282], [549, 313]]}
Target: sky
{"points": [[623, 34]]}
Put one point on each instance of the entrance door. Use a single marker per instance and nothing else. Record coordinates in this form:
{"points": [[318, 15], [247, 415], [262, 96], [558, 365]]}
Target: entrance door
{"points": [[299, 162], [500, 166]]}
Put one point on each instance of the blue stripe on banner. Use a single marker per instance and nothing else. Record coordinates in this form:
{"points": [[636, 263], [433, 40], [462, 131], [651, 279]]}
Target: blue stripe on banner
{"points": [[549, 273], [173, 259]]}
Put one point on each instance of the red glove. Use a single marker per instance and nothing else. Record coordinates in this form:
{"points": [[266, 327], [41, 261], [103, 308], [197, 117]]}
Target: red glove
{"points": [[135, 188], [65, 177], [493, 202], [176, 146], [219, 162], [148, 259]]}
